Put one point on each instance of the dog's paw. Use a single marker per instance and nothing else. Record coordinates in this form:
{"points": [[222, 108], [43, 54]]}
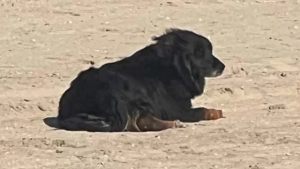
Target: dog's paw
{"points": [[213, 114], [179, 124]]}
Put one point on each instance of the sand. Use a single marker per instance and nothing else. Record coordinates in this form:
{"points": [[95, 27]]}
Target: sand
{"points": [[44, 44]]}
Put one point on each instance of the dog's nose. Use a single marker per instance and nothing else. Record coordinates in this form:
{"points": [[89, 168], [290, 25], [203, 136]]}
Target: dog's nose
{"points": [[221, 67], [218, 65]]}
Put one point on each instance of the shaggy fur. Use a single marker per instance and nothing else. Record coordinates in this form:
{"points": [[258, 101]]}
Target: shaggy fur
{"points": [[160, 79]]}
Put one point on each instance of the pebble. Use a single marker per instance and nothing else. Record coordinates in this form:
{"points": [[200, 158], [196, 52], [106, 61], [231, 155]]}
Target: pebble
{"points": [[58, 151], [41, 107], [277, 106], [283, 74]]}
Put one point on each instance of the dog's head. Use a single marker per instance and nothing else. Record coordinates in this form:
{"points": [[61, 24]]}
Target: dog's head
{"points": [[191, 55]]}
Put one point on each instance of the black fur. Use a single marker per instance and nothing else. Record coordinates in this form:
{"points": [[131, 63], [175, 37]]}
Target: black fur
{"points": [[161, 79]]}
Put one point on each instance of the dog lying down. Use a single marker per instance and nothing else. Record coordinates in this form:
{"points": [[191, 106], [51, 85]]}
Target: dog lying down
{"points": [[148, 91]]}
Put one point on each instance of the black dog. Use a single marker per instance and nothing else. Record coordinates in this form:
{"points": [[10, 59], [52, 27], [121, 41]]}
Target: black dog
{"points": [[148, 91]]}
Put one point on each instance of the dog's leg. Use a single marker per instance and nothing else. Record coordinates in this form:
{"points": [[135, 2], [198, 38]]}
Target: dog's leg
{"points": [[147, 122], [85, 122]]}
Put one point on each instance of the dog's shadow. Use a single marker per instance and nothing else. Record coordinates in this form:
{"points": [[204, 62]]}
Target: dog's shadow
{"points": [[51, 122]]}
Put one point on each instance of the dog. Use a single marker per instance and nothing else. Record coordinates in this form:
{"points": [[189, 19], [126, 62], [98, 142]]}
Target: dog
{"points": [[149, 91]]}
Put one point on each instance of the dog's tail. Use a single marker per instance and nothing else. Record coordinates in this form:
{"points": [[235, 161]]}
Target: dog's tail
{"points": [[85, 122]]}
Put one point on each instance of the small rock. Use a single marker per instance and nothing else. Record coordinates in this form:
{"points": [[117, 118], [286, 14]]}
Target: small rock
{"points": [[235, 70], [277, 106], [58, 143], [254, 167], [74, 14], [225, 90], [228, 90], [89, 62], [283, 74], [42, 107], [58, 151], [171, 4], [54, 75]]}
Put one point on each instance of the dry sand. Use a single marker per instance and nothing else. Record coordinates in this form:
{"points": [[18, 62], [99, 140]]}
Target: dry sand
{"points": [[45, 43]]}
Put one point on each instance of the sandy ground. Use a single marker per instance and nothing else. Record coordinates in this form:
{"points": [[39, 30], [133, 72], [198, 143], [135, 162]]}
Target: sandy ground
{"points": [[45, 43]]}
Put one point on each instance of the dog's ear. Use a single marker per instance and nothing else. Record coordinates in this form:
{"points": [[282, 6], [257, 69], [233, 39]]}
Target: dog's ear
{"points": [[173, 49], [184, 68], [176, 49], [179, 52], [167, 44]]}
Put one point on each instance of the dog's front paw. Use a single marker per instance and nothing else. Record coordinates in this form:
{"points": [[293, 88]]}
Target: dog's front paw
{"points": [[179, 124], [212, 114]]}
